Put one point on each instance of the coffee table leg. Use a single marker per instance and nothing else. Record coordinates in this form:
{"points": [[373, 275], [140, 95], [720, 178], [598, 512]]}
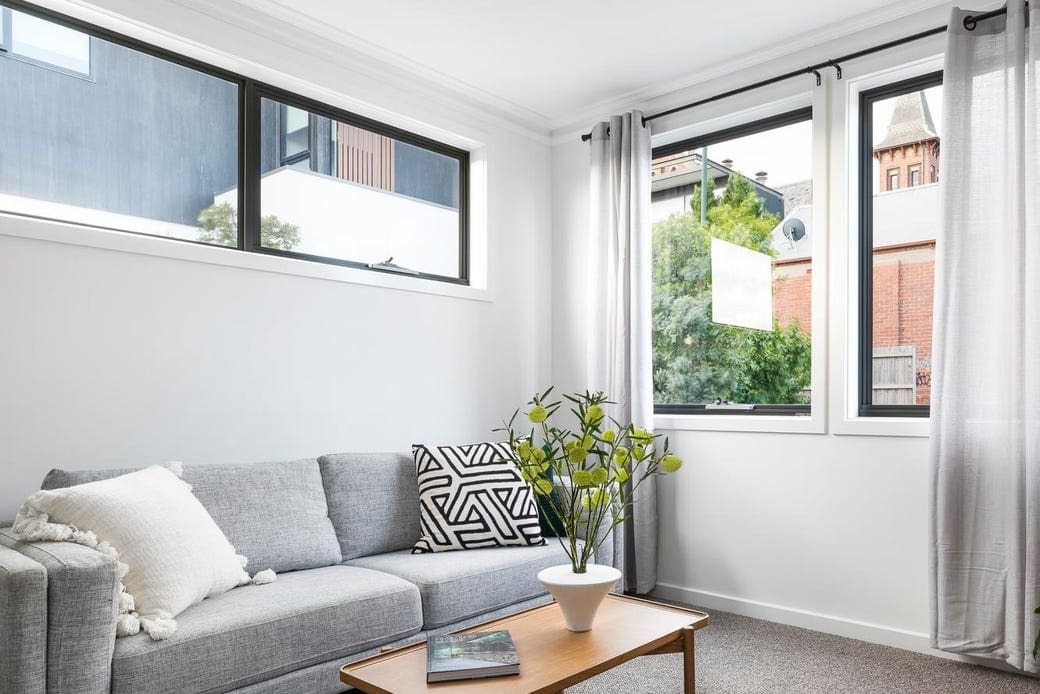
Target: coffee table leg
{"points": [[689, 663]]}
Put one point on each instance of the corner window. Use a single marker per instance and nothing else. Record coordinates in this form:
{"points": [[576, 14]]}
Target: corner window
{"points": [[732, 270], [44, 43], [899, 225], [163, 145]]}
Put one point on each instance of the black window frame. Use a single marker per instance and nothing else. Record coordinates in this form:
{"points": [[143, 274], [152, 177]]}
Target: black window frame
{"points": [[865, 298], [799, 115], [250, 93]]}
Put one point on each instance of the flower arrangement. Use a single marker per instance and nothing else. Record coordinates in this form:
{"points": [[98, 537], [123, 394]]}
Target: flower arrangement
{"points": [[604, 461]]}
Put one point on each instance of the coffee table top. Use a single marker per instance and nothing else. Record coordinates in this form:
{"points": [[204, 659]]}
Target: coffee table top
{"points": [[551, 658]]}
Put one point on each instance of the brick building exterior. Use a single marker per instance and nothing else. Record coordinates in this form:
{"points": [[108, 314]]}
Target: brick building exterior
{"points": [[909, 154], [904, 258]]}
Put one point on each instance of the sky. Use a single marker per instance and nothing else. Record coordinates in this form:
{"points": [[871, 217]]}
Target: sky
{"points": [[785, 153]]}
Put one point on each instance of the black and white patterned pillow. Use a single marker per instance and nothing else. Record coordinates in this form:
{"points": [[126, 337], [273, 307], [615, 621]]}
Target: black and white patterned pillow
{"points": [[472, 496]]}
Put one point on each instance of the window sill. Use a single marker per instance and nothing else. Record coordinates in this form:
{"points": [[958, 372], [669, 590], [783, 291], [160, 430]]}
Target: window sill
{"points": [[779, 424], [906, 427], [64, 232]]}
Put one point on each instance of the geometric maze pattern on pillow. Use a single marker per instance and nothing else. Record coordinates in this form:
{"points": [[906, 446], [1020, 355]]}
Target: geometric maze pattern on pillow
{"points": [[472, 496]]}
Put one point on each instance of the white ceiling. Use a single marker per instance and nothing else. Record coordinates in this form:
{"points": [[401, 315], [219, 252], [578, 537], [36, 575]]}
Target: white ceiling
{"points": [[556, 58]]}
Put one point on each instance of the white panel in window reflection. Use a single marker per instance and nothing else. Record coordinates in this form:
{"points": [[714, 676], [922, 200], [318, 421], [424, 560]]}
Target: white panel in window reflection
{"points": [[340, 219], [741, 286], [50, 43]]}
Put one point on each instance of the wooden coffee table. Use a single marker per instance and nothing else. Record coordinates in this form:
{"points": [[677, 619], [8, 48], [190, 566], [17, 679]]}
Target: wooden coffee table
{"points": [[551, 658]]}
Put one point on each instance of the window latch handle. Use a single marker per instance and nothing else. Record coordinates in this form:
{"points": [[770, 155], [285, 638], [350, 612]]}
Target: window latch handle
{"points": [[721, 404]]}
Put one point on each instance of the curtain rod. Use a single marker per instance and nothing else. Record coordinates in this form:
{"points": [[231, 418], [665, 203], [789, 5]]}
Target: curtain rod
{"points": [[970, 22]]}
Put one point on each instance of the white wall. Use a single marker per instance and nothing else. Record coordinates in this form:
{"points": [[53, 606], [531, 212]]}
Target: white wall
{"points": [[114, 358], [821, 530]]}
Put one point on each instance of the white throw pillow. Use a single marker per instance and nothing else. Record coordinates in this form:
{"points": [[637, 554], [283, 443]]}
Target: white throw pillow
{"points": [[471, 497], [171, 553]]}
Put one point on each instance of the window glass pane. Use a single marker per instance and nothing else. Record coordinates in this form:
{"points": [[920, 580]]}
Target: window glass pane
{"points": [[732, 299], [145, 146], [38, 39], [905, 217], [360, 196], [295, 135]]}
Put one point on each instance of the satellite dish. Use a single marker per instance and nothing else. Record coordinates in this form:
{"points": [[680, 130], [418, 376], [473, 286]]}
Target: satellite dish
{"points": [[794, 230]]}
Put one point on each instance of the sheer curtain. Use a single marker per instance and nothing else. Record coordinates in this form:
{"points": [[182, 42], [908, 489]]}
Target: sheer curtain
{"points": [[619, 356], [985, 445]]}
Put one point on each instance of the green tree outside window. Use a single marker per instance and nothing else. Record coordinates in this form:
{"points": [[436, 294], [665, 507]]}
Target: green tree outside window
{"points": [[219, 225], [696, 360]]}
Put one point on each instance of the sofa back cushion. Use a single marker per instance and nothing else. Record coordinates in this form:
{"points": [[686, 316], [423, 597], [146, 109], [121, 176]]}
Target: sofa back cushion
{"points": [[373, 501], [273, 513]]}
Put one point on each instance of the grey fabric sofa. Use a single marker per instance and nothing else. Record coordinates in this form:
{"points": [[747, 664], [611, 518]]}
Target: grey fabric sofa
{"points": [[337, 529]]}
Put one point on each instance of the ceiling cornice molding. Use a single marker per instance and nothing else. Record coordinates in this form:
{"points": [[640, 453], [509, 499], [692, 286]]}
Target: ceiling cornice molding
{"points": [[309, 36], [584, 118]]}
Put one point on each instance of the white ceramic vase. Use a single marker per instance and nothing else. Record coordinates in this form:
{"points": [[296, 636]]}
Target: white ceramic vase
{"points": [[579, 595]]}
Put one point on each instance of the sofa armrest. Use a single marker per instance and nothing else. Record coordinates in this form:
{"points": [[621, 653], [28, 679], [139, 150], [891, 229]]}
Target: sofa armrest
{"points": [[82, 606], [23, 623]]}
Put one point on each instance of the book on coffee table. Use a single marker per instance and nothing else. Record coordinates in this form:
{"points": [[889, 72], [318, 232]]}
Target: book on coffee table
{"points": [[470, 656]]}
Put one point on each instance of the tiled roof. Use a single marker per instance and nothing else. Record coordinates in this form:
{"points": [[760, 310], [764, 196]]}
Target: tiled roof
{"points": [[911, 122]]}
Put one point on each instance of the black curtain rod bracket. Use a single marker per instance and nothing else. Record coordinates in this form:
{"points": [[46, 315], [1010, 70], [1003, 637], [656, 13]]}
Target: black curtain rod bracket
{"points": [[970, 22]]}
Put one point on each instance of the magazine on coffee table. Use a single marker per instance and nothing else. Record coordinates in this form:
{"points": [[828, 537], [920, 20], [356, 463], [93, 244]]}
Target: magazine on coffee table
{"points": [[470, 656]]}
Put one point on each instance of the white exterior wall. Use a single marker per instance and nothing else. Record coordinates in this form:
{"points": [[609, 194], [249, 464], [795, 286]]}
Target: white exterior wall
{"points": [[907, 215], [344, 220]]}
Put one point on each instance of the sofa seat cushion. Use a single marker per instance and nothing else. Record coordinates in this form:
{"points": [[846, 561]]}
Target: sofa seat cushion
{"points": [[457, 585], [273, 513], [257, 633]]}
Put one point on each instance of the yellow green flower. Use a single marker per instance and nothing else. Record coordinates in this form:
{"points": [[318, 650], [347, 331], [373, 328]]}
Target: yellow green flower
{"points": [[576, 454], [638, 452], [538, 454], [593, 414], [642, 436], [538, 414], [621, 455], [543, 486], [581, 478], [671, 462], [523, 450], [620, 475], [600, 475], [608, 436], [595, 498]]}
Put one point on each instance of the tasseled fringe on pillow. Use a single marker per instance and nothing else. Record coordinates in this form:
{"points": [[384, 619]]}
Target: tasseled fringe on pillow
{"points": [[33, 525], [264, 577], [260, 578]]}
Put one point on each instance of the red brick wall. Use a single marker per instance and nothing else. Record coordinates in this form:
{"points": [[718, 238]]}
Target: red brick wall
{"points": [[903, 291], [792, 293]]}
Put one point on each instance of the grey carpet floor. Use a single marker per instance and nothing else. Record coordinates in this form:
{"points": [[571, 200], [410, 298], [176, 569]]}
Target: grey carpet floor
{"points": [[741, 655]]}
